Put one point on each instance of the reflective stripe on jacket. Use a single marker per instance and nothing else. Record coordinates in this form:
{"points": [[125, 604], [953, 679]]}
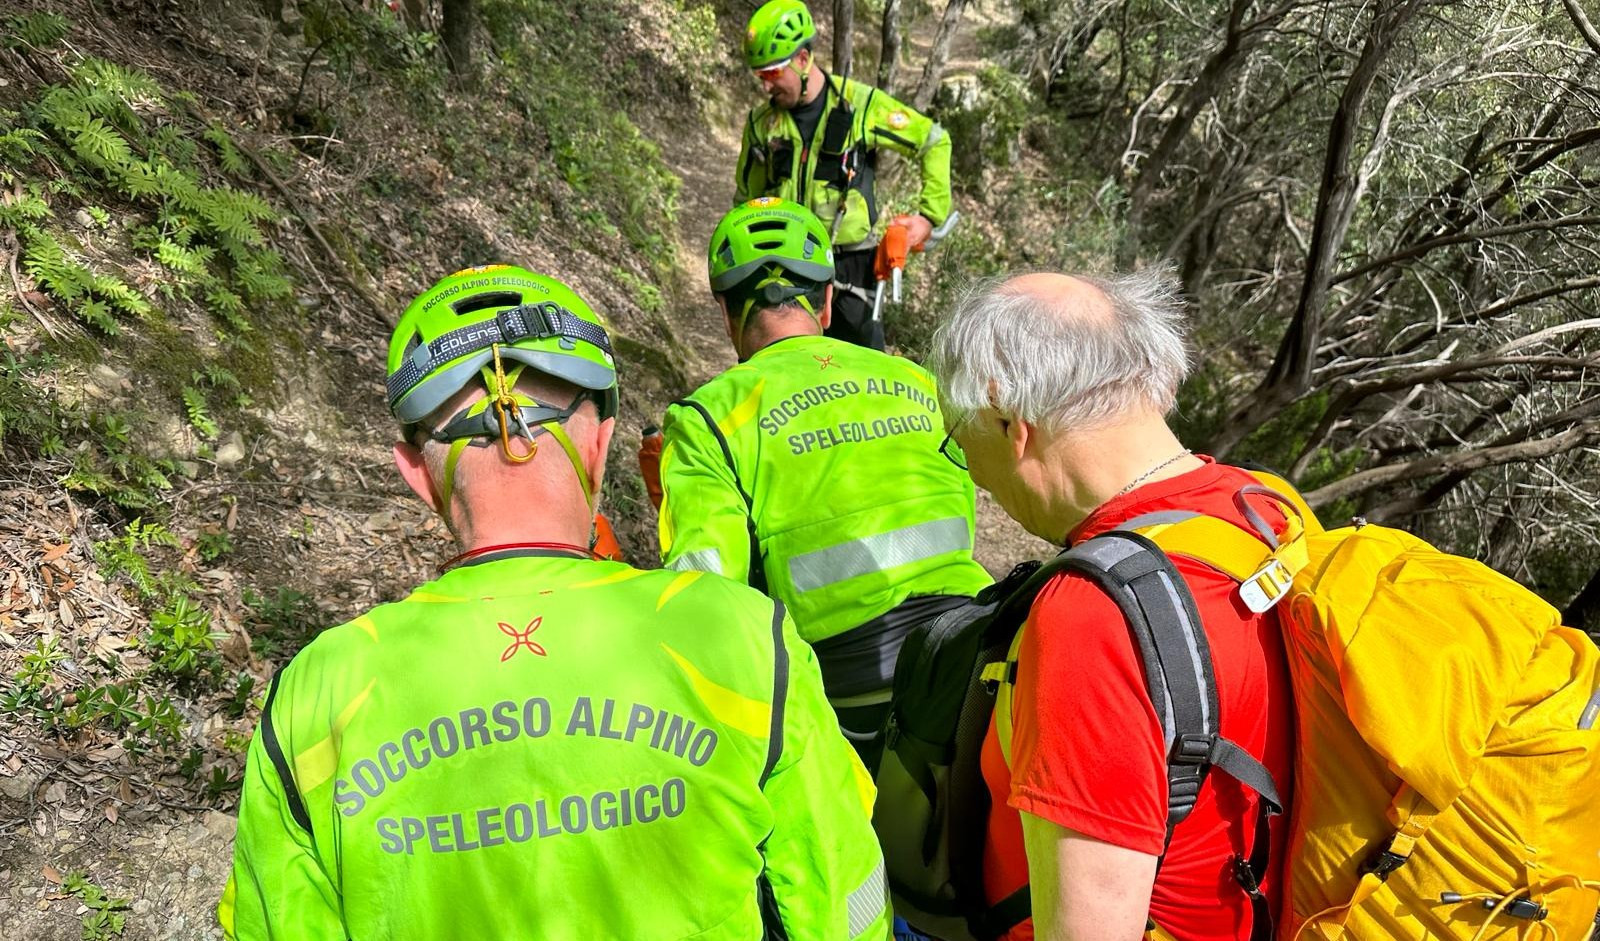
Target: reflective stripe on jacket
{"points": [[829, 453], [555, 748]]}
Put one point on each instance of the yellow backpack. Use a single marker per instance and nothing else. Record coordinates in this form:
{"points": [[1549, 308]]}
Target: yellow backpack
{"points": [[1447, 762]]}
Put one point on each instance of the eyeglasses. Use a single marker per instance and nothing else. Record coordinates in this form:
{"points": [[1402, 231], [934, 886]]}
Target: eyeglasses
{"points": [[769, 73], [952, 451]]}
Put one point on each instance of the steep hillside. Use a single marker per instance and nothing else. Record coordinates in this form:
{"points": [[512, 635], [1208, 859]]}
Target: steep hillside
{"points": [[209, 221]]}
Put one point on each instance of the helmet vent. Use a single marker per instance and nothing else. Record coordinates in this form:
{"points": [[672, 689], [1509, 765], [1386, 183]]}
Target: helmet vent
{"points": [[486, 300]]}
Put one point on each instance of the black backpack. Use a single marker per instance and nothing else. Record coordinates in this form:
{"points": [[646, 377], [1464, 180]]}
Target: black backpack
{"points": [[931, 811]]}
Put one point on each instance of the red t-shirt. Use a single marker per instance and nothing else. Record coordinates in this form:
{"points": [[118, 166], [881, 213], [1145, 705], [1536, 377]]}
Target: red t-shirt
{"points": [[1087, 749]]}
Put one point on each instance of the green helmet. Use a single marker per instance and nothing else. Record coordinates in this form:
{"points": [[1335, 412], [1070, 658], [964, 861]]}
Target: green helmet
{"points": [[777, 31], [770, 250], [464, 328], [445, 336]]}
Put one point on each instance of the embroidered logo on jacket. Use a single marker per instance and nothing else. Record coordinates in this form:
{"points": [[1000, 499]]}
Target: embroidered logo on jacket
{"points": [[522, 639]]}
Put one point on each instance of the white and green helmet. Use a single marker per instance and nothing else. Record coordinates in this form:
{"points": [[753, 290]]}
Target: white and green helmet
{"points": [[488, 324], [769, 251]]}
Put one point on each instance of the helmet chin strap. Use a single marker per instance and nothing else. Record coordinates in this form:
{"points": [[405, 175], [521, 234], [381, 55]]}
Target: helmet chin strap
{"points": [[508, 406]]}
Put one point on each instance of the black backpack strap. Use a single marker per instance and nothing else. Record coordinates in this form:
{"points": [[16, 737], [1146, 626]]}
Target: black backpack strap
{"points": [[1001, 917], [758, 570], [1161, 613]]}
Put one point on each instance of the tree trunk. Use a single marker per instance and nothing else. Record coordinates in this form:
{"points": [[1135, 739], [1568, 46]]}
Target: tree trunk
{"points": [[889, 51], [456, 34], [844, 25], [934, 70], [1290, 372], [412, 10]]}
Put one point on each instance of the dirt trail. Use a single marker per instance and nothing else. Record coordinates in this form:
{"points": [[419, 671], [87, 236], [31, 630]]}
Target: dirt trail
{"points": [[704, 161]]}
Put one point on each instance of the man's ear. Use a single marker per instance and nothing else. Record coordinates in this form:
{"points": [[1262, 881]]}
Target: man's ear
{"points": [[596, 464], [727, 320], [413, 469], [1021, 434], [825, 315]]}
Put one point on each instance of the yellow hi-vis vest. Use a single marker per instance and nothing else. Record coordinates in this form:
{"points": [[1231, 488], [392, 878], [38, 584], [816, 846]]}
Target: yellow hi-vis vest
{"points": [[813, 470]]}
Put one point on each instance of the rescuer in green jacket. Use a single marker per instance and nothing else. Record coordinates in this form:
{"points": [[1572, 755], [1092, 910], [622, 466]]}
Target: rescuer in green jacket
{"points": [[537, 744], [812, 469], [816, 142]]}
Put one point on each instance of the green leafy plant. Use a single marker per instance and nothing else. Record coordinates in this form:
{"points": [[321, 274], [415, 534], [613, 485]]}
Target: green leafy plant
{"points": [[161, 722], [39, 664], [39, 30], [208, 237], [239, 699], [96, 299], [125, 555], [194, 405], [213, 544], [227, 153], [107, 915], [281, 621], [180, 640]]}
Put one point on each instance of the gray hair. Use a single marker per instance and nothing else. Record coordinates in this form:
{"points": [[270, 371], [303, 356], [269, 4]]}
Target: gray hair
{"points": [[1021, 354]]}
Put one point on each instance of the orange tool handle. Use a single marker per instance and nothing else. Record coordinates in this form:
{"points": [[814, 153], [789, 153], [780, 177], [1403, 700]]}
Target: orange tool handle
{"points": [[605, 544], [892, 251], [650, 463]]}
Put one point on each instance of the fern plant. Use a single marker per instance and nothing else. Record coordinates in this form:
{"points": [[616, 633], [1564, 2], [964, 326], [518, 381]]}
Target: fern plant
{"points": [[96, 299], [39, 30], [209, 237], [227, 153], [194, 403], [21, 210]]}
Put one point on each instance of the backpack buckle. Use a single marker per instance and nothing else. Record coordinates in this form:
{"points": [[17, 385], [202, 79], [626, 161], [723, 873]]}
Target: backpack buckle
{"points": [[1261, 591], [1383, 862], [1193, 748], [994, 674]]}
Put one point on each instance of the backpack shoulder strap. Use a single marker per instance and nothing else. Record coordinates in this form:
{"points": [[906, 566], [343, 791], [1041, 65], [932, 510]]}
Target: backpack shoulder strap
{"points": [[1139, 577], [1141, 580], [1286, 490]]}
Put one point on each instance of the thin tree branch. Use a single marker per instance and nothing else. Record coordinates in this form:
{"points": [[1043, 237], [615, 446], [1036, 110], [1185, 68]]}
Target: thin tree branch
{"points": [[1422, 248], [1460, 461]]}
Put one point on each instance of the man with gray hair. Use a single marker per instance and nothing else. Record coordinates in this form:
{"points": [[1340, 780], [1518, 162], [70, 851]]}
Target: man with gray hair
{"points": [[1055, 391]]}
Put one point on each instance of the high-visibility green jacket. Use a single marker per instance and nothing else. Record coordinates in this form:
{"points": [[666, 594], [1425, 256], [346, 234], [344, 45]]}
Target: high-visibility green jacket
{"points": [[774, 161], [813, 470], [555, 748]]}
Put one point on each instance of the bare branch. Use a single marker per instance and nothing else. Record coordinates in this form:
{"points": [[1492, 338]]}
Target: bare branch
{"points": [[1291, 368], [1422, 248], [1458, 462]]}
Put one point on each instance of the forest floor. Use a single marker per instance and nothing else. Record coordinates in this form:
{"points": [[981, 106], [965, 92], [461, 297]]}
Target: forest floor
{"points": [[302, 489]]}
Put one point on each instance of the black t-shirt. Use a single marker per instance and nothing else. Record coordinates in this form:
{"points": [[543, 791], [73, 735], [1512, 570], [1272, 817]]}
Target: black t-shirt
{"points": [[808, 116]]}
